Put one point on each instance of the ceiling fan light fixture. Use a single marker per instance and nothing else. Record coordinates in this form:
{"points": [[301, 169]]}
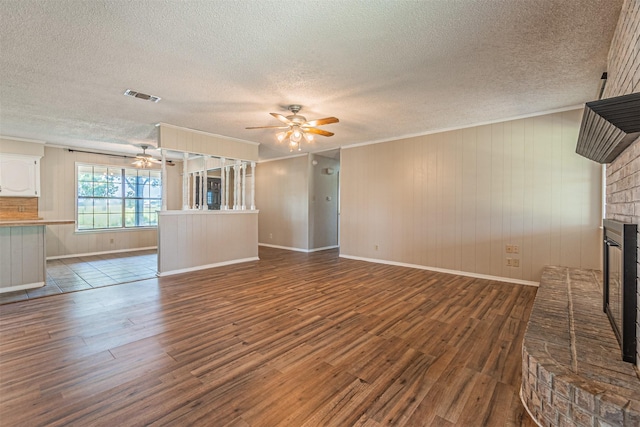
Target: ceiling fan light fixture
{"points": [[298, 127], [142, 163]]}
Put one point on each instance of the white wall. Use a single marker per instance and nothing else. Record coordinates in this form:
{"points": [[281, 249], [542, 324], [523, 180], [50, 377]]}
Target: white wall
{"points": [[453, 200], [58, 202]]}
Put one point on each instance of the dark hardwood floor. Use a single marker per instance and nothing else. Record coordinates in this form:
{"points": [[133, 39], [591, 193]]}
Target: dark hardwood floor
{"points": [[291, 340]]}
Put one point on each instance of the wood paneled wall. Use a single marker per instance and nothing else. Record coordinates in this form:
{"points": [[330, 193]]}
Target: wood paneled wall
{"points": [[298, 202], [282, 196], [193, 240], [195, 141], [22, 257], [58, 202], [454, 200]]}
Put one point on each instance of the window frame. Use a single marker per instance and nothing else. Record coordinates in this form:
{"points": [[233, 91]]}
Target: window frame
{"points": [[123, 200]]}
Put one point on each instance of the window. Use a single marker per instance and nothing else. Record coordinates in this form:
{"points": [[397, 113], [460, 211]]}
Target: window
{"points": [[114, 197]]}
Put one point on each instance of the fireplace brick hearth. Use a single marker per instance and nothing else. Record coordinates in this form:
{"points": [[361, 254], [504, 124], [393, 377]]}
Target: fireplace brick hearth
{"points": [[572, 370]]}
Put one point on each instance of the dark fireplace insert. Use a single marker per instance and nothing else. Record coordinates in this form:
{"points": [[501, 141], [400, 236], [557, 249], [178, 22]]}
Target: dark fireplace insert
{"points": [[619, 283]]}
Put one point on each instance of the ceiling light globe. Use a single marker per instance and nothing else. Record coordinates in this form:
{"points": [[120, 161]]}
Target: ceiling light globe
{"points": [[308, 137], [296, 135]]}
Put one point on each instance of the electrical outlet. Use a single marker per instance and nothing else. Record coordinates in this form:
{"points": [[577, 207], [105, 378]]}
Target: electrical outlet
{"points": [[515, 262], [111, 241], [508, 249], [509, 262], [515, 249], [271, 235], [375, 247]]}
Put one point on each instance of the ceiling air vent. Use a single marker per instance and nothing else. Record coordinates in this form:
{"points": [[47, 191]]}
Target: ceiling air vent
{"points": [[608, 127], [144, 96]]}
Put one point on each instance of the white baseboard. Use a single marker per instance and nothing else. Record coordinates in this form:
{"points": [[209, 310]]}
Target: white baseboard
{"points": [[298, 249], [101, 253], [204, 267], [326, 248], [444, 270], [22, 287]]}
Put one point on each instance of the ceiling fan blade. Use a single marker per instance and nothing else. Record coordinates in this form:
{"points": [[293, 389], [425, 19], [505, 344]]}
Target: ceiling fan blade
{"points": [[320, 122], [282, 118], [318, 131], [268, 127]]}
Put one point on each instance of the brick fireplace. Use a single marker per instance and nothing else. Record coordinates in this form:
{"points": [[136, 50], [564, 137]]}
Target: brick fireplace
{"points": [[623, 174], [572, 368]]}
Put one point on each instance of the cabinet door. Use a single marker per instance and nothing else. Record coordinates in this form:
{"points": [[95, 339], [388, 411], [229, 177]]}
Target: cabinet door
{"points": [[19, 175]]}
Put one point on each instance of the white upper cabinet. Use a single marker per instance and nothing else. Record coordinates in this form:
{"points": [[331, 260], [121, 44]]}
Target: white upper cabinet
{"points": [[19, 175]]}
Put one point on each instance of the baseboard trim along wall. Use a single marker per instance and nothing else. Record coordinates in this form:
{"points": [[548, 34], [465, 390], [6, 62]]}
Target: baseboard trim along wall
{"points": [[101, 253], [204, 267], [444, 270], [298, 249], [23, 287]]}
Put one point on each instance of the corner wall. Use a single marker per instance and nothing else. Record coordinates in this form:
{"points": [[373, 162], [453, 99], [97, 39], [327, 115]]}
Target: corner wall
{"points": [[623, 174], [298, 202], [454, 200]]}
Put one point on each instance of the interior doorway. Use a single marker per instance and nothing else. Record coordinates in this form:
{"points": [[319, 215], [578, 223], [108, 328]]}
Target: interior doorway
{"points": [[324, 215]]}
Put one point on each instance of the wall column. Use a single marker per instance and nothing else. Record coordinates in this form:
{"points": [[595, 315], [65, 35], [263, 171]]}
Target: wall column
{"points": [[236, 186], [163, 173], [227, 198], [203, 185], [185, 181], [192, 193], [244, 186], [252, 196], [223, 192]]}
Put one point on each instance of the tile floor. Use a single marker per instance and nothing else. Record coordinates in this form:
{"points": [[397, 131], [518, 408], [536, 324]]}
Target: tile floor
{"points": [[76, 274]]}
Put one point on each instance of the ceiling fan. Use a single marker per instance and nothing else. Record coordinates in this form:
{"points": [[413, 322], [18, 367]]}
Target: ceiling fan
{"points": [[144, 160], [298, 127]]}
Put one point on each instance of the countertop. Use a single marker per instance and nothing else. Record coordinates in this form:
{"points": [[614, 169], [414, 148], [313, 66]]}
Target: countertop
{"points": [[34, 222]]}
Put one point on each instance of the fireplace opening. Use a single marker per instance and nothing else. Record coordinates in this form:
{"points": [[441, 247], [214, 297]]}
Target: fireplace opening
{"points": [[619, 283]]}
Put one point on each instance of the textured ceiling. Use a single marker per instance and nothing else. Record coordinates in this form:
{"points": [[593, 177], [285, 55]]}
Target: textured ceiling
{"points": [[386, 69]]}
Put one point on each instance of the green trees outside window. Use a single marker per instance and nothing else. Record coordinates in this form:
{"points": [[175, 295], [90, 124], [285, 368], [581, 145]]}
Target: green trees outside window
{"points": [[114, 197]]}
